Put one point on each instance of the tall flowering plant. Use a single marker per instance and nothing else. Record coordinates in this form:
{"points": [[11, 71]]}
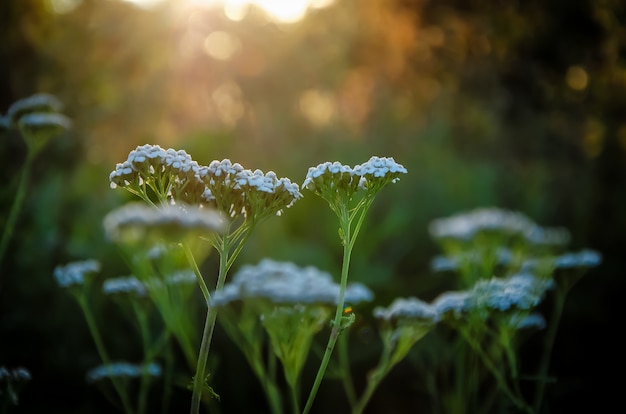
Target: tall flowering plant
{"points": [[349, 192], [243, 198]]}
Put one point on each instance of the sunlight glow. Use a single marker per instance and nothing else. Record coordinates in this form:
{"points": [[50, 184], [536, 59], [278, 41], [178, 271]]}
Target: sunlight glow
{"points": [[282, 11], [64, 6]]}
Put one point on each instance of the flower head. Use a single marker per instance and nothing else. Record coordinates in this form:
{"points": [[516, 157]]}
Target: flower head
{"points": [[40, 102], [124, 285], [169, 172], [286, 283], [251, 194], [123, 370], [74, 273], [135, 222], [333, 177], [522, 291], [584, 258], [408, 309], [377, 172]]}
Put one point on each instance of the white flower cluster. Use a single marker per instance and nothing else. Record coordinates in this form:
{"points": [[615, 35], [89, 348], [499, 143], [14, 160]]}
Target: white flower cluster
{"points": [[584, 258], [284, 282], [40, 121], [375, 173], [522, 291], [136, 220], [408, 308], [235, 190], [148, 162], [15, 374], [120, 285], [123, 369], [467, 225], [74, 273], [37, 103]]}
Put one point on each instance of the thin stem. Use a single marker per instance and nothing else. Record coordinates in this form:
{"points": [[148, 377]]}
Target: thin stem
{"points": [[17, 204], [145, 376], [209, 326], [375, 379], [336, 328], [294, 397], [346, 376], [104, 356], [521, 404], [196, 270], [559, 304]]}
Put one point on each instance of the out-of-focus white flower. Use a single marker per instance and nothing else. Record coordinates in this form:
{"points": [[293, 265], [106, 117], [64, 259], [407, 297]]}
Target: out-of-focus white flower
{"points": [[123, 370], [466, 225], [74, 273], [408, 308], [136, 221], [15, 374], [584, 258], [284, 282], [40, 102], [128, 284]]}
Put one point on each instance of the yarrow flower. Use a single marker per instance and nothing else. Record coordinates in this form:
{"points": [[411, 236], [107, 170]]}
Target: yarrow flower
{"points": [[74, 273], [584, 258], [408, 308], [123, 370], [40, 103], [137, 221], [251, 194], [169, 172], [124, 285], [15, 374], [284, 282], [465, 226], [331, 179]]}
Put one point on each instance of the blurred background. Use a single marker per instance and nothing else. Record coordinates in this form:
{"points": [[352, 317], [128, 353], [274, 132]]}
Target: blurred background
{"points": [[515, 104]]}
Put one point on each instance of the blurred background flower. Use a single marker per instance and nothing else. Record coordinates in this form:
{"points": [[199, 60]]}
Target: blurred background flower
{"points": [[520, 106]]}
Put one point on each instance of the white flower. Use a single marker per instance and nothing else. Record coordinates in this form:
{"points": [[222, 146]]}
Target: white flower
{"points": [[408, 308], [122, 369], [74, 273], [128, 284], [136, 220], [584, 258], [40, 102], [454, 303], [284, 282]]}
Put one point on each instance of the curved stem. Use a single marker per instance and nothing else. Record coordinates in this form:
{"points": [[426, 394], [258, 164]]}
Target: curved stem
{"points": [[375, 379], [559, 304], [209, 325], [104, 356], [196, 270], [145, 339], [17, 204], [519, 402], [346, 376], [336, 325]]}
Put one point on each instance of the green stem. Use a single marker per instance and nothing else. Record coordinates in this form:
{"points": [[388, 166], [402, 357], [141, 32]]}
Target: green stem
{"points": [[346, 376], [104, 356], [336, 328], [209, 325], [519, 402], [374, 379], [145, 376], [17, 204], [196, 270], [294, 397], [559, 304]]}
